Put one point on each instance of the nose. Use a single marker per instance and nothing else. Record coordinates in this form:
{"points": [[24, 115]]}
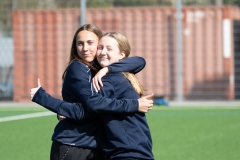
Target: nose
{"points": [[85, 46], [103, 51]]}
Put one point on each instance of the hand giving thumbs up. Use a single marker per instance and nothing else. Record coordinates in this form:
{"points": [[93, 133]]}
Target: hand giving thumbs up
{"points": [[34, 90]]}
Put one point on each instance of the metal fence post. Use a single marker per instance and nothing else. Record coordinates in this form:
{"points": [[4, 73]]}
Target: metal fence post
{"points": [[83, 12], [179, 51]]}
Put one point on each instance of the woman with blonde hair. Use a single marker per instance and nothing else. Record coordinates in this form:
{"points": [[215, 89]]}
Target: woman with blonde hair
{"points": [[128, 134]]}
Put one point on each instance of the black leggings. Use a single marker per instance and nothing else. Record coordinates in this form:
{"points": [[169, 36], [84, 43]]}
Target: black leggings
{"points": [[61, 151]]}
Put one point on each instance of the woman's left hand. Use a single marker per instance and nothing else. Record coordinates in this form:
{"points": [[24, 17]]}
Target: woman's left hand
{"points": [[97, 79], [60, 117], [145, 103]]}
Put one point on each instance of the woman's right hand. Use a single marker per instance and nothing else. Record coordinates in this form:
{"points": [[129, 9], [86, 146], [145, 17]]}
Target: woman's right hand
{"points": [[145, 103], [34, 90]]}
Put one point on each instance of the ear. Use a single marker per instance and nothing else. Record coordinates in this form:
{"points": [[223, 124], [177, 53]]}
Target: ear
{"points": [[122, 55]]}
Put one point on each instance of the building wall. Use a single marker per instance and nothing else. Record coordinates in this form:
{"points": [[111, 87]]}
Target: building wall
{"points": [[42, 42]]}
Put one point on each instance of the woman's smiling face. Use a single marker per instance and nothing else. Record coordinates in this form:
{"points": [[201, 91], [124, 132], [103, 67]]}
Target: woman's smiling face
{"points": [[108, 51]]}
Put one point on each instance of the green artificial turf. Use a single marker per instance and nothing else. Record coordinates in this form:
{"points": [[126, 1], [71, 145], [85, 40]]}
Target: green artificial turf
{"points": [[26, 139], [195, 134], [177, 134]]}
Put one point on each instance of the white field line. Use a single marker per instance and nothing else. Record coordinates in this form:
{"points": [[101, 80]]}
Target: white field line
{"points": [[187, 108], [25, 116]]}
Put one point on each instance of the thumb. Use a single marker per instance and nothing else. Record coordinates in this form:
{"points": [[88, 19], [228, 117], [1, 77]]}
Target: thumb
{"points": [[149, 96], [39, 84]]}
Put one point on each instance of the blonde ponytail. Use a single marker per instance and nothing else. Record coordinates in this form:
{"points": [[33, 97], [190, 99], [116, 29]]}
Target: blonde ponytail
{"points": [[134, 82]]}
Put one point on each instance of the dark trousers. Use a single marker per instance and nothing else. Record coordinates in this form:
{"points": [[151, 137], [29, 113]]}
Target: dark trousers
{"points": [[61, 151]]}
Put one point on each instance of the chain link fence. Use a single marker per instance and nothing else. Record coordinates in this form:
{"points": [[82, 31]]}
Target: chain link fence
{"points": [[210, 44]]}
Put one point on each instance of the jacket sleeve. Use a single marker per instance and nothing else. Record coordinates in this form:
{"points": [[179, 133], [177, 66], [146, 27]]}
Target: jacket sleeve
{"points": [[130, 64], [108, 91], [81, 89], [69, 110]]}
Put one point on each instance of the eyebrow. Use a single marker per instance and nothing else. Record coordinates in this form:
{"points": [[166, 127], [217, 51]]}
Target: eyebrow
{"points": [[87, 41], [109, 46]]}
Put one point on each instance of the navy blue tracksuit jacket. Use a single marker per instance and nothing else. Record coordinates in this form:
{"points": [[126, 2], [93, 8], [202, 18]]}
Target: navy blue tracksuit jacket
{"points": [[127, 132]]}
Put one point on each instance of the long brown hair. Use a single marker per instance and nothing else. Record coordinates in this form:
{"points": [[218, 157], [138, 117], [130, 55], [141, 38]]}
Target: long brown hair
{"points": [[73, 53], [125, 47]]}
